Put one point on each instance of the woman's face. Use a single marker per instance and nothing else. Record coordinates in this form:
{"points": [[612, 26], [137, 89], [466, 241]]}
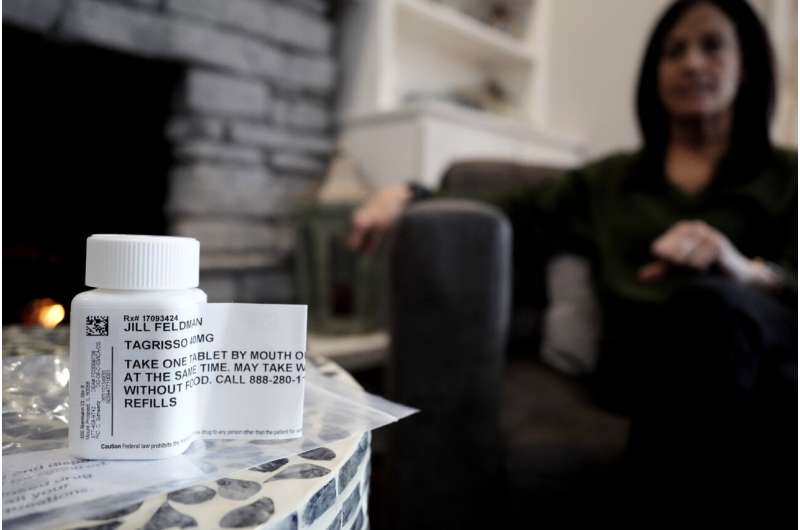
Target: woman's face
{"points": [[700, 66]]}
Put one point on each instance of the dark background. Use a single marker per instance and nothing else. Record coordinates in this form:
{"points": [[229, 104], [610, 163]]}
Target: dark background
{"points": [[85, 153]]}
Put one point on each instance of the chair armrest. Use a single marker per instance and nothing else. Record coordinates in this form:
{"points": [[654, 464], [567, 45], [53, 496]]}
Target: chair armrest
{"points": [[450, 287], [450, 298]]}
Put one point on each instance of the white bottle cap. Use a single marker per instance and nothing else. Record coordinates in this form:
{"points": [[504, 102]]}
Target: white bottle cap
{"points": [[118, 261]]}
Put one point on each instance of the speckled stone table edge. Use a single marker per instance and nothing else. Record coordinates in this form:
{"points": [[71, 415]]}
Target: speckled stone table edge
{"points": [[325, 488]]}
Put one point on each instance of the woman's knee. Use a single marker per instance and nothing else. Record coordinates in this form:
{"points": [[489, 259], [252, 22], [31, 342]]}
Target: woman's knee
{"points": [[709, 293], [713, 326]]}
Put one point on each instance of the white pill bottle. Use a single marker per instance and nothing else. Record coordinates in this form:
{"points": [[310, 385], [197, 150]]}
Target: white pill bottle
{"points": [[125, 403]]}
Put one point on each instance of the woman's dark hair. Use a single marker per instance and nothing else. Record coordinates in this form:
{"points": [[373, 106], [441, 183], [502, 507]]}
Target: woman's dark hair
{"points": [[755, 98]]}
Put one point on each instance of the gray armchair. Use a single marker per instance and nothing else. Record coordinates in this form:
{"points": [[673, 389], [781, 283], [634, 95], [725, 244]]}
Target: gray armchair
{"points": [[501, 440]]}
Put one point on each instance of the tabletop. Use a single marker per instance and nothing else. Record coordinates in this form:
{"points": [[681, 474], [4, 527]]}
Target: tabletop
{"points": [[323, 488]]}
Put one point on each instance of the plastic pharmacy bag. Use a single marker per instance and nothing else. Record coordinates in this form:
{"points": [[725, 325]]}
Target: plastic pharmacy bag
{"points": [[35, 457]]}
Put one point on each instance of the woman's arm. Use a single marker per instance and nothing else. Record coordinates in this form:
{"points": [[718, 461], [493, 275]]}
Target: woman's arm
{"points": [[550, 215], [379, 213]]}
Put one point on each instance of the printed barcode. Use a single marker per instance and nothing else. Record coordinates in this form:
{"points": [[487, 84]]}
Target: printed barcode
{"points": [[105, 392]]}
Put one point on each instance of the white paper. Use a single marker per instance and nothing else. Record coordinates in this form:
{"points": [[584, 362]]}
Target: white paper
{"points": [[145, 384]]}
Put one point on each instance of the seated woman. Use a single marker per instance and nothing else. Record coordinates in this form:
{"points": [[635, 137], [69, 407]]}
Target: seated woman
{"points": [[693, 245]]}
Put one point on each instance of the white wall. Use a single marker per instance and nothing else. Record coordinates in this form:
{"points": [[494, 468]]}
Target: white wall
{"points": [[595, 50], [780, 17]]}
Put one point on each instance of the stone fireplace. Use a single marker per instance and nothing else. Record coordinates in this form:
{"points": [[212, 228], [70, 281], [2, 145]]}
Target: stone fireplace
{"points": [[245, 90]]}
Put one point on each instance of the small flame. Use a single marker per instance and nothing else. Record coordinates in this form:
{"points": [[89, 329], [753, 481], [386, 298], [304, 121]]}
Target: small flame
{"points": [[45, 312]]}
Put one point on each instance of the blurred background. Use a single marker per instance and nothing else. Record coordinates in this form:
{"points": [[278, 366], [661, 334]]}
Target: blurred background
{"points": [[221, 121], [216, 120], [255, 126]]}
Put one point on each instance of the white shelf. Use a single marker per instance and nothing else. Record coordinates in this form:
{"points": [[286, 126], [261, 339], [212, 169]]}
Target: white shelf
{"points": [[405, 61], [476, 119], [429, 21], [395, 51]]}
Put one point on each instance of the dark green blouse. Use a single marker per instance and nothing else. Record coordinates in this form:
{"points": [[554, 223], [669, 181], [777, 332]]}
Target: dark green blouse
{"points": [[613, 209]]}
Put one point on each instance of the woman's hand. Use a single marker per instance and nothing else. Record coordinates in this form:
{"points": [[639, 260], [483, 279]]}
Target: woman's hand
{"points": [[697, 245], [373, 219]]}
